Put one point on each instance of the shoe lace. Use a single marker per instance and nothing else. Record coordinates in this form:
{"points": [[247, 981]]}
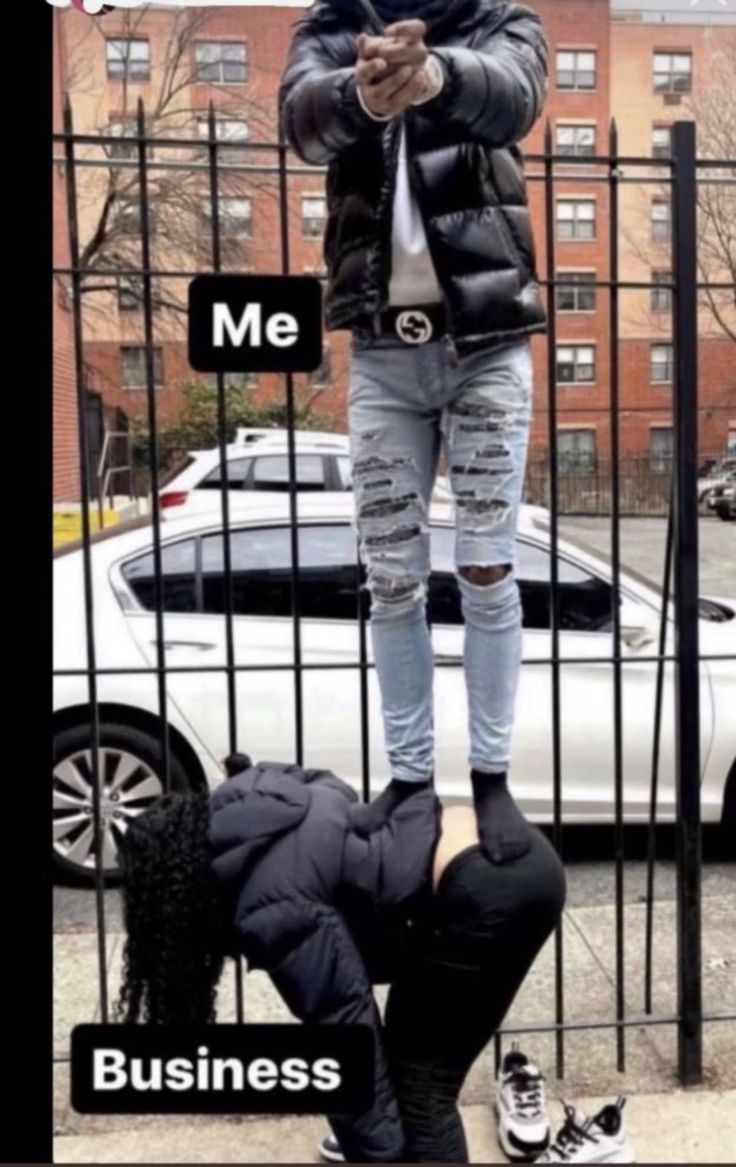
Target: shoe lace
{"points": [[570, 1137], [527, 1092]]}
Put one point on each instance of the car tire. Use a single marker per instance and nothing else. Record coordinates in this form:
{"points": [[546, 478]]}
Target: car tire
{"points": [[132, 767]]}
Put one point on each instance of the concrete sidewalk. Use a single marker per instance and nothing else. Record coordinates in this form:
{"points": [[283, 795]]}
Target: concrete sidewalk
{"points": [[668, 1125], [664, 1128]]}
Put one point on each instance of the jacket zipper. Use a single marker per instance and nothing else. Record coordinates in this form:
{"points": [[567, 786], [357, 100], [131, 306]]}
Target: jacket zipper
{"points": [[391, 153]]}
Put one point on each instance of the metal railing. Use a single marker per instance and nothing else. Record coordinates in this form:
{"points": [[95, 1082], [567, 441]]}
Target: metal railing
{"points": [[680, 174]]}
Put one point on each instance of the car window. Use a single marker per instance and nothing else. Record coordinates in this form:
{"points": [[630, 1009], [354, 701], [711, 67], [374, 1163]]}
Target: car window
{"points": [[261, 572], [271, 472], [178, 577], [585, 600], [237, 472]]}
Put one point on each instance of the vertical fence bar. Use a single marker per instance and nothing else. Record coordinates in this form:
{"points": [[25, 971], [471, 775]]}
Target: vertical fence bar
{"points": [[145, 225], [613, 174], [549, 217], [227, 562], [656, 749], [89, 611], [290, 424], [687, 670]]}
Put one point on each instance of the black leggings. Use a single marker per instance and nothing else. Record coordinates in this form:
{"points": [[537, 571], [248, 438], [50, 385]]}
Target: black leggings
{"points": [[470, 954]]}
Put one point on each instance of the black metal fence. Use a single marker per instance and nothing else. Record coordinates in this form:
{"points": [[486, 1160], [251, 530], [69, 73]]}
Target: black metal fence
{"points": [[271, 165]]}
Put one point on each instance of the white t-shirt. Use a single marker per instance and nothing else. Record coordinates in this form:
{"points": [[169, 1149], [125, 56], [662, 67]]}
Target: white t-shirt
{"points": [[413, 276]]}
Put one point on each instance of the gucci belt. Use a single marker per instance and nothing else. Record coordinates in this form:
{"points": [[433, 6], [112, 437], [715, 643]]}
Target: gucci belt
{"points": [[414, 325]]}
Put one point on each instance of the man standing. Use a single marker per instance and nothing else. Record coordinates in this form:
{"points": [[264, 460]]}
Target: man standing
{"points": [[417, 107]]}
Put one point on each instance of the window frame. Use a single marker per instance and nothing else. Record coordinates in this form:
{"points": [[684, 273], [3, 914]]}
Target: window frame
{"points": [[126, 61], [576, 52], [575, 156], [668, 364], [570, 282], [158, 363], [575, 345], [670, 73], [574, 202], [221, 41]]}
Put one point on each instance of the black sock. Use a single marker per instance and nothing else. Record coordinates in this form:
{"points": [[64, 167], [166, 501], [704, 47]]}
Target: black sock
{"points": [[371, 816], [503, 830]]}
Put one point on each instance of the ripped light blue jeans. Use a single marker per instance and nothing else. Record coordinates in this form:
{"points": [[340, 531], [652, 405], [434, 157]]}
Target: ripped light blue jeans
{"points": [[405, 404]]}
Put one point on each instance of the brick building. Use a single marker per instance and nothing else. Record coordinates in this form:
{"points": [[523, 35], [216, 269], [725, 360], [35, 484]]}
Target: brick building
{"points": [[66, 447], [608, 58]]}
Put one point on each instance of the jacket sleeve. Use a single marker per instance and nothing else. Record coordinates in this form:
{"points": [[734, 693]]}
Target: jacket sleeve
{"points": [[319, 109], [495, 92], [319, 973]]}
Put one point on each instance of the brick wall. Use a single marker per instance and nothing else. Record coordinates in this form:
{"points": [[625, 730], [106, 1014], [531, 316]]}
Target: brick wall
{"points": [[66, 447]]}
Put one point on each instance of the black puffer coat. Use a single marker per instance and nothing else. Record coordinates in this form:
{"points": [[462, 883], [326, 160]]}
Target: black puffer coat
{"points": [[465, 166], [318, 906]]}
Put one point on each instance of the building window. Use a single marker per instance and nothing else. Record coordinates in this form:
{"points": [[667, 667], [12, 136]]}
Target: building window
{"points": [[672, 72], [575, 141], [128, 59], [221, 62], [660, 449], [576, 450], [575, 219], [575, 364], [131, 294], [661, 141], [660, 362], [661, 296], [575, 69], [577, 292], [234, 131], [133, 366], [235, 215], [321, 377], [661, 220], [314, 216]]}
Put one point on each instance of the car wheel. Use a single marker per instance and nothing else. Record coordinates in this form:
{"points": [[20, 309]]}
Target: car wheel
{"points": [[131, 772]]}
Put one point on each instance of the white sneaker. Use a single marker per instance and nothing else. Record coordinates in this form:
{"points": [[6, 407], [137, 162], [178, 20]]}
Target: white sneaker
{"points": [[330, 1150], [522, 1124], [600, 1139]]}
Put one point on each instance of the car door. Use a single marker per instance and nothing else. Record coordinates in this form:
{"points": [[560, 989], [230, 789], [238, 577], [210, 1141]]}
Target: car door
{"points": [[264, 643], [586, 685]]}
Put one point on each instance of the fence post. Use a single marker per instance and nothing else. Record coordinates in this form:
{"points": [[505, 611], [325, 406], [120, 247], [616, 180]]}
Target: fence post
{"points": [[687, 669]]}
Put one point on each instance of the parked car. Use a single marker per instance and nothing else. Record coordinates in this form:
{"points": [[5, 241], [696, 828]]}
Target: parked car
{"points": [[194, 639], [724, 500], [715, 476], [322, 466]]}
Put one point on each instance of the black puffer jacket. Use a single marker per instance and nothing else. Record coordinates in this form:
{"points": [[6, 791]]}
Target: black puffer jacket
{"points": [[315, 904], [465, 166]]}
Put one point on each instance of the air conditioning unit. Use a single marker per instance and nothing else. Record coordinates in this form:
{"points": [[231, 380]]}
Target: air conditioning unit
{"points": [[672, 99]]}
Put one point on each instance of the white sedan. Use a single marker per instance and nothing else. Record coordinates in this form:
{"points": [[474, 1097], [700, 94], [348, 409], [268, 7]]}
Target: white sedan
{"points": [[195, 649], [259, 462]]}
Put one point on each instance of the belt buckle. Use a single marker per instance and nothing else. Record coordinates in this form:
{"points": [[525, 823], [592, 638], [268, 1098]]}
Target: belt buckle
{"points": [[414, 326]]}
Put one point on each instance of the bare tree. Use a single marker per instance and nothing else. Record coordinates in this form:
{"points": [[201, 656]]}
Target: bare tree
{"points": [[178, 203], [713, 107]]}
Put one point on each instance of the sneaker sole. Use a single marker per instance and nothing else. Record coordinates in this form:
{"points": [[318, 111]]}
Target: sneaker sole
{"points": [[513, 1154], [331, 1156]]}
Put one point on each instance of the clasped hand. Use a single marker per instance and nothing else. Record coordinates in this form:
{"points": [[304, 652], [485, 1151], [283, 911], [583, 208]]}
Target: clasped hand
{"points": [[390, 69]]}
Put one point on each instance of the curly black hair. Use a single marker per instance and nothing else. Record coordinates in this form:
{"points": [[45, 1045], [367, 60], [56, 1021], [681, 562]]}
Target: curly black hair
{"points": [[174, 917]]}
